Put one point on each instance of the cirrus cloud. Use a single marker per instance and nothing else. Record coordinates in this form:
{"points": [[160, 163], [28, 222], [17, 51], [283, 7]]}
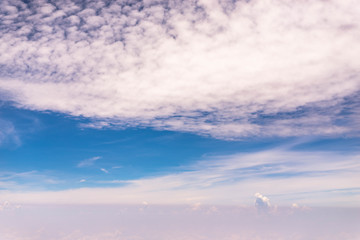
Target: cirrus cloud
{"points": [[323, 179]]}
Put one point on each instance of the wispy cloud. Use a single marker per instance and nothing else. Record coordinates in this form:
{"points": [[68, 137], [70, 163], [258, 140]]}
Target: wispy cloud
{"points": [[88, 162], [35, 180], [116, 167], [104, 170], [228, 69], [307, 178], [6, 206], [8, 134]]}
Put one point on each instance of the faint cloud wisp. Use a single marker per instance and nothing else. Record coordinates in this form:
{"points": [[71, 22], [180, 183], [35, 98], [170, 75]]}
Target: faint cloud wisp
{"points": [[88, 162]]}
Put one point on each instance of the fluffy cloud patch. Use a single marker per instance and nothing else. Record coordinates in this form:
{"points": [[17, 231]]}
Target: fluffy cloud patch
{"points": [[228, 69], [262, 203]]}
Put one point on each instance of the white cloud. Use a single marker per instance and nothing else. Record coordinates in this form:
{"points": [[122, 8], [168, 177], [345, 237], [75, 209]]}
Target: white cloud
{"points": [[4, 205], [262, 203], [164, 222], [7, 206], [34, 180], [8, 134], [88, 162], [228, 70], [104, 170], [294, 205], [308, 178]]}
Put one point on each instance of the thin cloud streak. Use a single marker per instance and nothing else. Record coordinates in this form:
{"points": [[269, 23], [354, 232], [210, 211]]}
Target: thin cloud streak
{"points": [[8, 134], [24, 181], [88, 162], [220, 68]]}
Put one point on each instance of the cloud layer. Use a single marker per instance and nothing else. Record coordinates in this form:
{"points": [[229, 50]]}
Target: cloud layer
{"points": [[124, 222], [307, 178], [228, 69]]}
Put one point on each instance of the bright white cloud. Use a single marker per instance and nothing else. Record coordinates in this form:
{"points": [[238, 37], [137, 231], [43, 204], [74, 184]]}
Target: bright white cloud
{"points": [[308, 178], [261, 202], [221, 68]]}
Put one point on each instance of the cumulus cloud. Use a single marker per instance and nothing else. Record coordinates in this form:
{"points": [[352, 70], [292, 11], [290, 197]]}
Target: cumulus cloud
{"points": [[88, 162], [296, 208], [262, 203], [228, 69], [6, 206], [295, 205]]}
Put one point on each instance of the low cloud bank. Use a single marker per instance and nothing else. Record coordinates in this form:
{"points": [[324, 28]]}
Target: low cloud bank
{"points": [[163, 222]]}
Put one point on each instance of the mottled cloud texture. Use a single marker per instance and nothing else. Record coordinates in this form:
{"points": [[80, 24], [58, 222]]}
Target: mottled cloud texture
{"points": [[228, 69]]}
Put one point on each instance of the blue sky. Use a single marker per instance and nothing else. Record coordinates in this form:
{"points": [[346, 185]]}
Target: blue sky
{"points": [[51, 152], [111, 94], [196, 103]]}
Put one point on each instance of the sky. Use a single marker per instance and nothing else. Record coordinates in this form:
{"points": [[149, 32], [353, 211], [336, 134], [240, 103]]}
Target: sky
{"points": [[166, 111]]}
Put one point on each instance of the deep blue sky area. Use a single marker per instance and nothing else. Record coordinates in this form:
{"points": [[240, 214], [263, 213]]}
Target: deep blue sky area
{"points": [[57, 141]]}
